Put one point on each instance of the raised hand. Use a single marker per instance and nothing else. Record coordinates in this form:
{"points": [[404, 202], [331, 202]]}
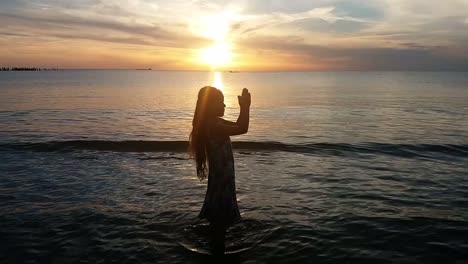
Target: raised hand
{"points": [[244, 99]]}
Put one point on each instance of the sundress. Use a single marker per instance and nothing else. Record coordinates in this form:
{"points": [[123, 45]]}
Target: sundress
{"points": [[220, 205]]}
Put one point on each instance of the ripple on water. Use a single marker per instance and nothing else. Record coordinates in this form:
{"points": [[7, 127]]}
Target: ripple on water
{"points": [[243, 236], [303, 209]]}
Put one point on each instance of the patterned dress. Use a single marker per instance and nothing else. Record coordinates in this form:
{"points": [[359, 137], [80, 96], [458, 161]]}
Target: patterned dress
{"points": [[220, 205]]}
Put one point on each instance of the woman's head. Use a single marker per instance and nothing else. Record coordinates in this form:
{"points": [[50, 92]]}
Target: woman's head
{"points": [[210, 104]]}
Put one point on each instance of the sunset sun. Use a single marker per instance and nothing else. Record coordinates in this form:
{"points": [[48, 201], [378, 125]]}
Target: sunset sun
{"points": [[216, 28], [217, 55]]}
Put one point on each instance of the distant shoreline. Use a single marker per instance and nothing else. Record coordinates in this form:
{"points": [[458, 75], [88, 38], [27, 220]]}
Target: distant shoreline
{"points": [[224, 71], [28, 69], [57, 69]]}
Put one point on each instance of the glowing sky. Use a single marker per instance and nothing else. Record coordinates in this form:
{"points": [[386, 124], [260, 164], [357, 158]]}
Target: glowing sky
{"points": [[238, 35]]}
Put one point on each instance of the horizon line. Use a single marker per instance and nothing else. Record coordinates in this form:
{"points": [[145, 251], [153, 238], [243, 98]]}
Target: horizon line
{"points": [[228, 71]]}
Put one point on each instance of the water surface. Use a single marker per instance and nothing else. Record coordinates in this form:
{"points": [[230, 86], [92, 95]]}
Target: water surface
{"points": [[337, 167]]}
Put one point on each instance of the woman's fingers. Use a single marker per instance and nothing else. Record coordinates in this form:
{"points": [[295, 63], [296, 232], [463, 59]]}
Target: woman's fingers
{"points": [[244, 99], [245, 91]]}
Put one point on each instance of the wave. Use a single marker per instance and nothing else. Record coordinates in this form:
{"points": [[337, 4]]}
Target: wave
{"points": [[341, 149]]}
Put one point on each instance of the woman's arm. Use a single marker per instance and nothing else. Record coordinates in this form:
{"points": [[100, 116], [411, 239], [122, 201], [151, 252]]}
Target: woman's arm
{"points": [[243, 120], [242, 124], [244, 115]]}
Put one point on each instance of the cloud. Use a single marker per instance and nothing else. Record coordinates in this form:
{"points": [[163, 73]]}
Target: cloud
{"points": [[323, 19], [64, 21], [97, 7], [338, 27], [374, 10], [256, 7], [99, 29], [411, 56], [332, 34]]}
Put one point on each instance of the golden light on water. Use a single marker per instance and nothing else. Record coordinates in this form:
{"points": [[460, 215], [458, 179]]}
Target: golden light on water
{"points": [[218, 81]]}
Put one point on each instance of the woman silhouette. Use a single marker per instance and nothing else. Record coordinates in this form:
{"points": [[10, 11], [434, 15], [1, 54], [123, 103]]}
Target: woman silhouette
{"points": [[209, 141]]}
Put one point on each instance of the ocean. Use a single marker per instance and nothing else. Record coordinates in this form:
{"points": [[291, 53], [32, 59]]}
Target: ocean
{"points": [[337, 167]]}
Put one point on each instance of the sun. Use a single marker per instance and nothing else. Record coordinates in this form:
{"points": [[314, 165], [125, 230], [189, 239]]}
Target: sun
{"points": [[216, 28], [217, 55]]}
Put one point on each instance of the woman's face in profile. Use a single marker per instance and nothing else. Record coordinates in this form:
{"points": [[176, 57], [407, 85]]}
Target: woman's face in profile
{"points": [[218, 106]]}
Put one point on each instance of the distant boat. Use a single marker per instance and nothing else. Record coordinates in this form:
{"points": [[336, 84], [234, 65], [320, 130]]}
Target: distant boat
{"points": [[233, 71], [149, 69]]}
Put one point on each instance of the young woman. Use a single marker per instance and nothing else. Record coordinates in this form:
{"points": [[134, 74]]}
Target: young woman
{"points": [[210, 146]]}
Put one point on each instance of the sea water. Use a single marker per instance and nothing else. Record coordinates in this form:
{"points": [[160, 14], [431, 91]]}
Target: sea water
{"points": [[337, 167]]}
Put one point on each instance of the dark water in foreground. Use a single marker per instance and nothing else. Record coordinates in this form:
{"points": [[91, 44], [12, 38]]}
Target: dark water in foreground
{"points": [[343, 168]]}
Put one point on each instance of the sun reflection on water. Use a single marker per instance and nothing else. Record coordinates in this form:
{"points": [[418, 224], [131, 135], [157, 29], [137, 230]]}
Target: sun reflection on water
{"points": [[230, 96], [218, 81]]}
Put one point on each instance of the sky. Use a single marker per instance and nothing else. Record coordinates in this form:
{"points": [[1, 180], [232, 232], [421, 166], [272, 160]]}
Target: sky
{"points": [[253, 35]]}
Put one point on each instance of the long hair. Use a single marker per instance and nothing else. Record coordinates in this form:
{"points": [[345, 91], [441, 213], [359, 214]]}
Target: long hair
{"points": [[207, 96]]}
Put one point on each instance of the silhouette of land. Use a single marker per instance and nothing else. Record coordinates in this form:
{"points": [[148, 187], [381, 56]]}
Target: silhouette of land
{"points": [[27, 69]]}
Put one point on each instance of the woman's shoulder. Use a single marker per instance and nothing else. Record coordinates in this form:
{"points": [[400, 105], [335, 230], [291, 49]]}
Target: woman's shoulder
{"points": [[220, 121], [216, 123], [216, 128]]}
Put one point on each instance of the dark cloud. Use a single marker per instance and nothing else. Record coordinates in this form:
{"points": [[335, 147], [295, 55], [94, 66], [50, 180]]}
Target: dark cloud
{"points": [[413, 45], [36, 21], [14, 34], [411, 58], [72, 27], [452, 25], [337, 27], [66, 4], [104, 38]]}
